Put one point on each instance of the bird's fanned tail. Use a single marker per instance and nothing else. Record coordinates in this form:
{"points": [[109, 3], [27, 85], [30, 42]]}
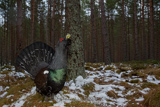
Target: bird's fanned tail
{"points": [[37, 55]]}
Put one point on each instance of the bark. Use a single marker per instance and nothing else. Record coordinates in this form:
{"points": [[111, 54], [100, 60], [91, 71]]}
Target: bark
{"points": [[93, 32], [148, 35], [53, 25], [143, 33], [151, 30], [76, 52], [124, 33], [32, 19], [19, 26], [12, 54], [106, 43], [62, 18], [136, 55]]}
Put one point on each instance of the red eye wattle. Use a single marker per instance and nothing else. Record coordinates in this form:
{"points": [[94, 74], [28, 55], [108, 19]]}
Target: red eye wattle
{"points": [[61, 39]]}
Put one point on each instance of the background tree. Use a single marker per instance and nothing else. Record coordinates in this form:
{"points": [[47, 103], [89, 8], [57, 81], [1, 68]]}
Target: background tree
{"points": [[93, 33], [107, 58], [131, 28], [19, 26], [151, 30]]}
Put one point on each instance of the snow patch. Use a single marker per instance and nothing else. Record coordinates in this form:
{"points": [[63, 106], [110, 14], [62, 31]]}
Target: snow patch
{"points": [[1, 88], [9, 96], [17, 74], [152, 79], [1, 96], [21, 100], [139, 99]]}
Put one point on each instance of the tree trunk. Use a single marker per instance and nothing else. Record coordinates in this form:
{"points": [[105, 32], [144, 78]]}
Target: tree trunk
{"points": [[76, 52], [124, 33], [62, 18], [32, 19], [106, 43], [93, 32], [148, 33], [143, 33], [19, 26], [53, 25], [136, 55], [151, 30]]}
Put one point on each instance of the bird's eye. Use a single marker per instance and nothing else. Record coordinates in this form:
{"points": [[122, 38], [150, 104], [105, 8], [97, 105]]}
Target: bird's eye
{"points": [[61, 39]]}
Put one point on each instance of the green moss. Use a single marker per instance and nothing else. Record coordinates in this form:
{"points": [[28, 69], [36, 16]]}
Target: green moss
{"points": [[149, 85], [6, 66], [37, 100], [143, 62], [134, 81], [138, 66], [108, 68], [6, 72], [88, 68], [137, 73], [96, 65], [75, 103]]}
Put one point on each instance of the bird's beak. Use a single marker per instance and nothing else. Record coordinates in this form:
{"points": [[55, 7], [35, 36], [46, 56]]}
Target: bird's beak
{"points": [[68, 36], [68, 39]]}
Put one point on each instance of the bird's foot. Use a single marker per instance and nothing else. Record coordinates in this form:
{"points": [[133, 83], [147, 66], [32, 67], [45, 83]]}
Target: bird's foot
{"points": [[45, 98], [52, 96]]}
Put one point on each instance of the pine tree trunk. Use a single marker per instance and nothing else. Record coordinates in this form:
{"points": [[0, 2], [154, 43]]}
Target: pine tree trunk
{"points": [[53, 25], [136, 55], [32, 19], [19, 26], [76, 50], [148, 33], [143, 33], [151, 30], [62, 18], [106, 43], [124, 33], [93, 32]]}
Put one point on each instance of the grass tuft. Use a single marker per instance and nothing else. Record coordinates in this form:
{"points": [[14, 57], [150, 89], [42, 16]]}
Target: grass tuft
{"points": [[152, 99], [112, 94], [88, 88]]}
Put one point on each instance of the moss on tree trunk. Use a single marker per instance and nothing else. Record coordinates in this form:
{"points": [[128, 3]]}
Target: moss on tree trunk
{"points": [[76, 51]]}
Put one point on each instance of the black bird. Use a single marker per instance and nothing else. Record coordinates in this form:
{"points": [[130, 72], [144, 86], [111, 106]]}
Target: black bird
{"points": [[46, 66]]}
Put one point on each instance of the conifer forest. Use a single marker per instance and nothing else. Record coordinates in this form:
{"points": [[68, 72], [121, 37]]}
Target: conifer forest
{"points": [[111, 30], [80, 53]]}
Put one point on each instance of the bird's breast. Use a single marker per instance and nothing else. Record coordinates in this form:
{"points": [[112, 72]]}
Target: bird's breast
{"points": [[58, 75]]}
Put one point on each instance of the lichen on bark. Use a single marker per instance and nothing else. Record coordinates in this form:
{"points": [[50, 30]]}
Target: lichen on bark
{"points": [[76, 51]]}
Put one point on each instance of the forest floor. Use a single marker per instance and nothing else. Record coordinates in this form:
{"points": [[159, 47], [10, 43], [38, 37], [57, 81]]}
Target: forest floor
{"points": [[127, 84]]}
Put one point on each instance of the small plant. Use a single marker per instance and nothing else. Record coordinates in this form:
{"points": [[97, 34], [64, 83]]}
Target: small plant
{"points": [[112, 94]]}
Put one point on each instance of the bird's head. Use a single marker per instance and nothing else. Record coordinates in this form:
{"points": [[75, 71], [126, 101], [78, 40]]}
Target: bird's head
{"points": [[64, 42]]}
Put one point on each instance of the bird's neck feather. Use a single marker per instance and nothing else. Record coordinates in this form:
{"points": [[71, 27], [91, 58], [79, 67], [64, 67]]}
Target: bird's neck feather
{"points": [[59, 60]]}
